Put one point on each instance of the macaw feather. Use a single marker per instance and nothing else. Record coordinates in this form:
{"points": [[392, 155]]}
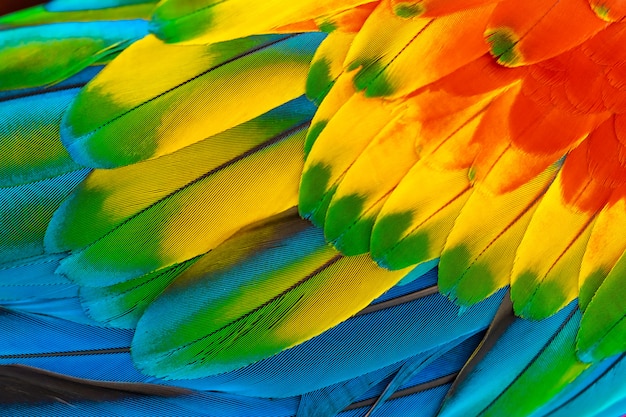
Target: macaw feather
{"points": [[327, 65], [112, 208], [36, 172], [76, 5], [296, 271], [45, 14], [358, 122], [412, 227], [43, 55], [152, 252], [211, 21], [387, 68], [537, 373], [604, 248], [475, 265], [170, 112], [540, 30], [602, 324]]}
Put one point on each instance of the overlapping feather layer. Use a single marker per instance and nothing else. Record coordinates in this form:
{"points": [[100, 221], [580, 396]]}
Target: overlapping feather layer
{"points": [[467, 132]]}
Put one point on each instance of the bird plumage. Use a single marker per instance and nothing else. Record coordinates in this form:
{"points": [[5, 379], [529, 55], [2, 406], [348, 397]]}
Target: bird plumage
{"points": [[313, 208]]}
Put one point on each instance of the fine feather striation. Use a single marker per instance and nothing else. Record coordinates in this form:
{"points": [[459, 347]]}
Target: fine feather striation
{"points": [[36, 172], [157, 206], [30, 285], [45, 14], [599, 391], [539, 30], [239, 154], [40, 392], [30, 146], [210, 21], [28, 209], [187, 94], [603, 322], [474, 265], [309, 366], [502, 119], [47, 392], [86, 364], [376, 390], [546, 365], [269, 279], [50, 334], [43, 55], [385, 61]]}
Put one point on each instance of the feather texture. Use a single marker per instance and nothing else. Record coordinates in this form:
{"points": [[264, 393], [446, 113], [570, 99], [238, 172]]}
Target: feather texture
{"points": [[31, 56], [152, 257], [149, 114]]}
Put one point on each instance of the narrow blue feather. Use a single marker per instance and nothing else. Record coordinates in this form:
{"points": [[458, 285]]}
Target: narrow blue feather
{"points": [[343, 352], [422, 404], [593, 393], [500, 368], [421, 368], [33, 334], [26, 211], [75, 5], [195, 404], [329, 401], [34, 279]]}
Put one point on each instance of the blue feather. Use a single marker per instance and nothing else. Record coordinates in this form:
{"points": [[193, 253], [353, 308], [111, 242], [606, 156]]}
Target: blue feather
{"points": [[194, 404], [423, 403], [597, 390], [74, 5], [393, 334], [34, 334], [31, 204], [498, 370]]}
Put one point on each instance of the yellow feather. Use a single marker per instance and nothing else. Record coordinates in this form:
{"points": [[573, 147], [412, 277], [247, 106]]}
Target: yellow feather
{"points": [[549, 256], [368, 182], [210, 21], [603, 250], [414, 223], [478, 256]]}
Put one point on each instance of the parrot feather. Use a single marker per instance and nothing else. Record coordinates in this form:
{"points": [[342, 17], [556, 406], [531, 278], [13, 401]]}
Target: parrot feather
{"points": [[75, 5], [175, 111], [539, 30], [603, 322], [528, 375], [111, 197], [328, 160], [599, 388], [153, 258], [300, 272], [555, 241], [473, 266], [37, 55], [211, 21], [44, 14], [411, 228]]}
